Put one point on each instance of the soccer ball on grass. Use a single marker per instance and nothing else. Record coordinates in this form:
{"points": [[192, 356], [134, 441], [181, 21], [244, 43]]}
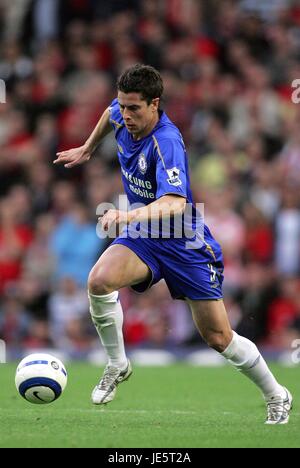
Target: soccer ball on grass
{"points": [[40, 378]]}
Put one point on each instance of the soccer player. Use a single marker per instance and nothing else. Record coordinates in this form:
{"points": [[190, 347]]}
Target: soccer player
{"points": [[154, 169]]}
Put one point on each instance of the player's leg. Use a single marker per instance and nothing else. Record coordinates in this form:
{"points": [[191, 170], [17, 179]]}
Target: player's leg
{"points": [[116, 268], [211, 320]]}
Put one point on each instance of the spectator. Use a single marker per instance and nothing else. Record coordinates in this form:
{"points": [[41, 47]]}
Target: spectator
{"points": [[75, 245], [15, 237], [38, 338], [259, 237], [66, 304], [15, 324], [283, 310]]}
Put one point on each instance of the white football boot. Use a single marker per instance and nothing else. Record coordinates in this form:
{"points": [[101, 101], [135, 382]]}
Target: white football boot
{"points": [[278, 408], [105, 391]]}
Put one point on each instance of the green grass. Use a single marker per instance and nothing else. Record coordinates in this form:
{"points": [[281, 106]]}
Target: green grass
{"points": [[178, 406]]}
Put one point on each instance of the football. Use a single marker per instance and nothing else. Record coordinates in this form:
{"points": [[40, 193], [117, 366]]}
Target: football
{"points": [[40, 378]]}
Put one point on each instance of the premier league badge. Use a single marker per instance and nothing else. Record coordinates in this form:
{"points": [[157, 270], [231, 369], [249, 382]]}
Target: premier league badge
{"points": [[142, 163], [174, 178]]}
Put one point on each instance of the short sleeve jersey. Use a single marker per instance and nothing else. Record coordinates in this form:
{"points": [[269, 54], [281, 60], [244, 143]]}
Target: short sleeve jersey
{"points": [[155, 165]]}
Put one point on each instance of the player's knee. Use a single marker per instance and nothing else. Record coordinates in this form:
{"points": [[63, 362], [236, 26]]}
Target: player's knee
{"points": [[218, 341], [100, 283]]}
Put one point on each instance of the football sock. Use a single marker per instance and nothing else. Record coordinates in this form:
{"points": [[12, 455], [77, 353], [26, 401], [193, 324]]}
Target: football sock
{"points": [[107, 316], [245, 357]]}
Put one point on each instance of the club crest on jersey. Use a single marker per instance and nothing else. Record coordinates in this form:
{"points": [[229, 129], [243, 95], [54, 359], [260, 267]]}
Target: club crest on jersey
{"points": [[174, 176], [142, 163]]}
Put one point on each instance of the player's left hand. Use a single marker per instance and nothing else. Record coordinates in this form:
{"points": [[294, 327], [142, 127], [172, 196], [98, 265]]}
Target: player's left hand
{"points": [[111, 217]]}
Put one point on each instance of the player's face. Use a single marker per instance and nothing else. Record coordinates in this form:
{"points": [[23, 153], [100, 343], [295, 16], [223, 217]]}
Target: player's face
{"points": [[139, 116]]}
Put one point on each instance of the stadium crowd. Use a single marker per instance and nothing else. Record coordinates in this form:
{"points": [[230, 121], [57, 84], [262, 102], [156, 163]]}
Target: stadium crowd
{"points": [[227, 67]]}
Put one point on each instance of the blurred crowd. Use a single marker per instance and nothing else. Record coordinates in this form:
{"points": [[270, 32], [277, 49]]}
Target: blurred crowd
{"points": [[227, 67]]}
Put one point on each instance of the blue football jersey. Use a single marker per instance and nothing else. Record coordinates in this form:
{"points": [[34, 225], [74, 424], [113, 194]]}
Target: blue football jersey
{"points": [[154, 166]]}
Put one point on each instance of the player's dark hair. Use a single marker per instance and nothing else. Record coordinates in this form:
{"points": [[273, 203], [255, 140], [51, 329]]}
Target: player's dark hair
{"points": [[142, 79]]}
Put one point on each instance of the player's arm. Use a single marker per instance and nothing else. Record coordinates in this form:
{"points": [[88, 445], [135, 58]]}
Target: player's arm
{"points": [[75, 156], [165, 207]]}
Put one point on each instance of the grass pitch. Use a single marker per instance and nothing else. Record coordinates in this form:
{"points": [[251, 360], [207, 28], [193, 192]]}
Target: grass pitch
{"points": [[176, 406]]}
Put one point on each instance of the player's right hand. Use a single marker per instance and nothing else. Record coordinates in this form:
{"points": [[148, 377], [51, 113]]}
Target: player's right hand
{"points": [[73, 157]]}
